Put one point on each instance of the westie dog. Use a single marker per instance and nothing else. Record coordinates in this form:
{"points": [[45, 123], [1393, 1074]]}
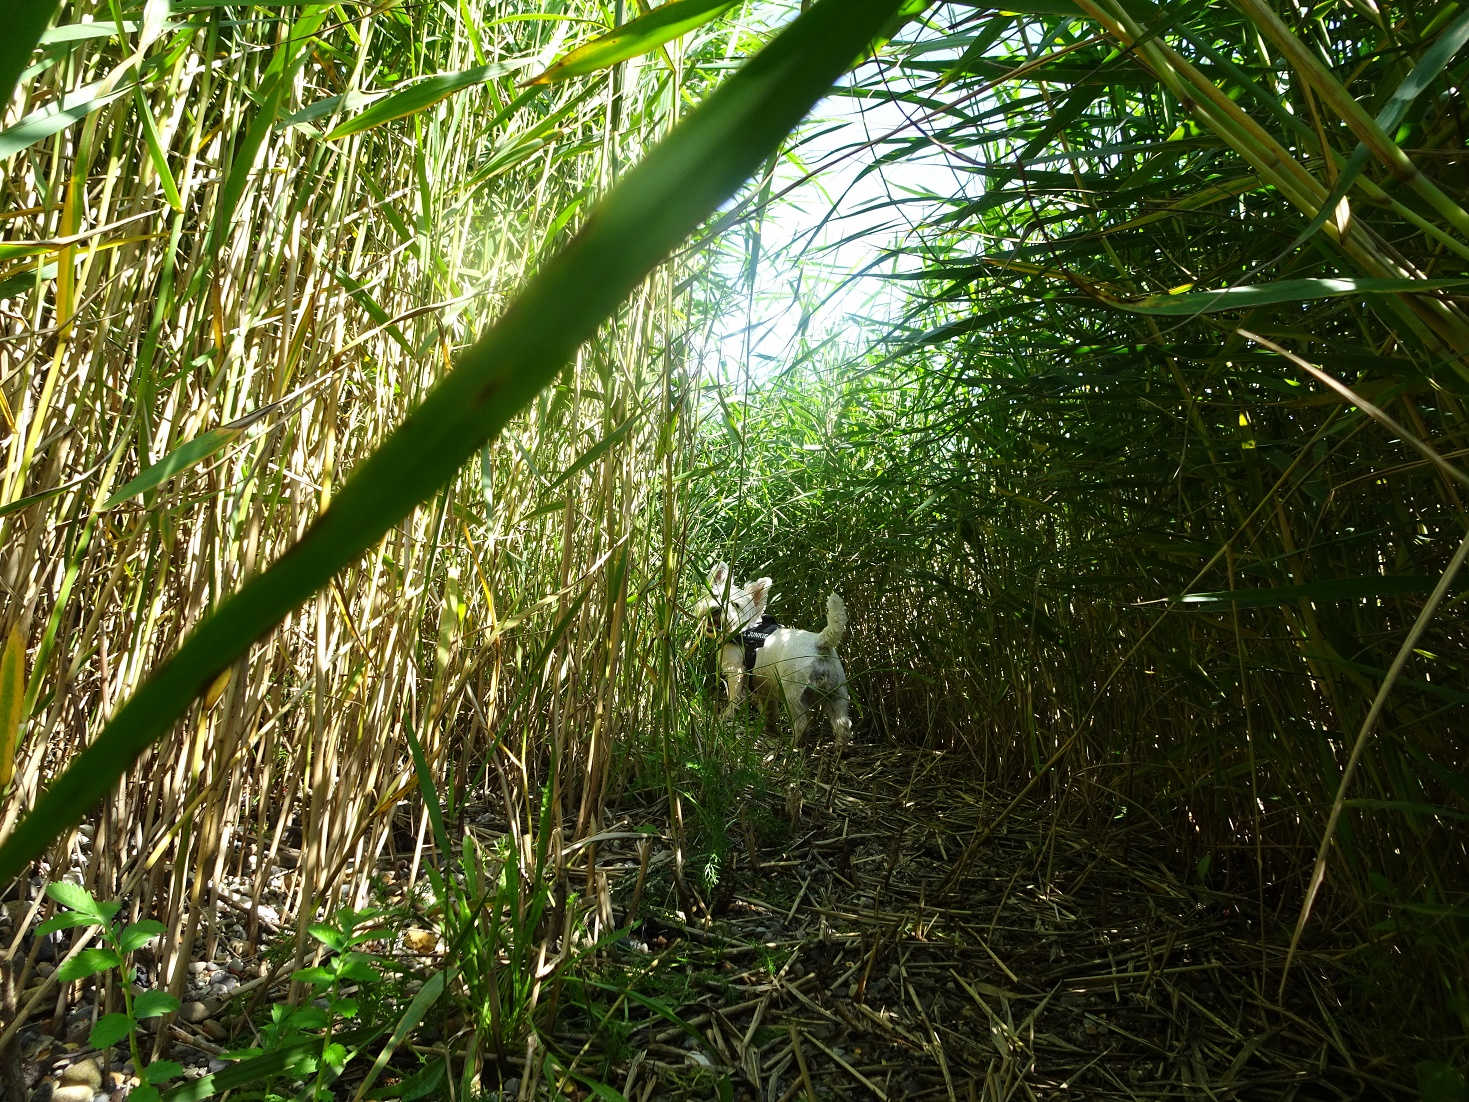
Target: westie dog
{"points": [[799, 668]]}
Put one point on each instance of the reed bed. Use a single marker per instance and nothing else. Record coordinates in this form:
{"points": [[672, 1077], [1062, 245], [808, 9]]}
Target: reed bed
{"points": [[1148, 511], [262, 241], [1152, 506]]}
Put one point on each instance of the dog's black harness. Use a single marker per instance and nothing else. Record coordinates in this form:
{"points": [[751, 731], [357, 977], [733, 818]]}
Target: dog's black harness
{"points": [[754, 637]]}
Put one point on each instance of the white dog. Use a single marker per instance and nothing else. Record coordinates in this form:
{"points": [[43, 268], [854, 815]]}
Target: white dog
{"points": [[800, 668]]}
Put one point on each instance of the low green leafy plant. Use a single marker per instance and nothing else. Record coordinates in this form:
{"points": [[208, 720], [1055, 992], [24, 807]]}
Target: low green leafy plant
{"points": [[329, 1007], [300, 1044], [80, 909]]}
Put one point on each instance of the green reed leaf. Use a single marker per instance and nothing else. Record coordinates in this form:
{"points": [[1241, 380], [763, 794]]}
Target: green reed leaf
{"points": [[637, 36], [180, 459], [1269, 294], [55, 117], [1331, 589], [416, 96], [27, 24]]}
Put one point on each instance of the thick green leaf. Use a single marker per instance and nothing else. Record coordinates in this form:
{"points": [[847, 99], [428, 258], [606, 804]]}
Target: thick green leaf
{"points": [[156, 153], [25, 26], [316, 975], [418, 95], [180, 459], [161, 1071], [110, 1029], [358, 970], [74, 897], [637, 36], [1441, 1082], [257, 1069], [88, 963], [138, 934], [151, 1004], [309, 1017], [1268, 294], [1425, 72], [20, 280], [597, 450], [651, 210], [65, 921], [329, 936]]}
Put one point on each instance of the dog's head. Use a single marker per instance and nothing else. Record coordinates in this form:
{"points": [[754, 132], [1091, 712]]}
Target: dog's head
{"points": [[729, 609]]}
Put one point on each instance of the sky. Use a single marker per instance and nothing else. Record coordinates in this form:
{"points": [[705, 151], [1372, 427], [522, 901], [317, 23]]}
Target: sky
{"points": [[826, 229]]}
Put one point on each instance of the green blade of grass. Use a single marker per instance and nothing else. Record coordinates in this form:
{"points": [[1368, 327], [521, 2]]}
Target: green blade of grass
{"points": [[181, 458], [637, 36], [1330, 589], [55, 117], [655, 206], [1286, 290], [420, 95]]}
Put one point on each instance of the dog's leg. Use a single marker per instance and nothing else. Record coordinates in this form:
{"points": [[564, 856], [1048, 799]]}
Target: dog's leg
{"points": [[734, 682], [767, 710], [800, 717], [841, 723]]}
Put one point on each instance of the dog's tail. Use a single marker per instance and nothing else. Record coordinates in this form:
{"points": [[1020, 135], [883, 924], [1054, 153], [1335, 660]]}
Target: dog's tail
{"points": [[836, 623]]}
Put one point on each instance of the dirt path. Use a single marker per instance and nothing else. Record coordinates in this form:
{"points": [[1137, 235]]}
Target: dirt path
{"points": [[854, 952], [838, 968]]}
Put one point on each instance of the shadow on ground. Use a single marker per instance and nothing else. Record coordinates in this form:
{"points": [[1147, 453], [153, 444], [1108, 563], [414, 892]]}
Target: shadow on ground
{"points": [[866, 955]]}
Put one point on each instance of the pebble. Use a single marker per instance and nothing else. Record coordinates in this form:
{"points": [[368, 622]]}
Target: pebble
{"points": [[194, 1011], [213, 1030], [223, 983], [71, 1092]]}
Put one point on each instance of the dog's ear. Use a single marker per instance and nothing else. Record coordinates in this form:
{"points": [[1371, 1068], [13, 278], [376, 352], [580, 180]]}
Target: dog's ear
{"points": [[759, 591], [718, 578]]}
